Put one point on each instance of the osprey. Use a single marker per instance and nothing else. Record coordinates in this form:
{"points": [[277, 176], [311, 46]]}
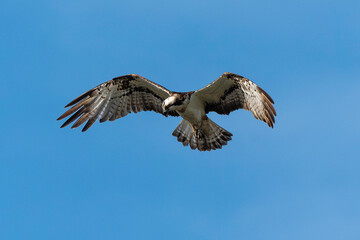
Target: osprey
{"points": [[132, 93]]}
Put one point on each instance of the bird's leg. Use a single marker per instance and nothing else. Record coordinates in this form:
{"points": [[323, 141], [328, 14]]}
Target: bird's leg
{"points": [[198, 131], [201, 130], [195, 130]]}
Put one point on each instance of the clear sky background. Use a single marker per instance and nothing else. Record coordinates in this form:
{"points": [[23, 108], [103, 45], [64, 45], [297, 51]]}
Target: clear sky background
{"points": [[130, 179]]}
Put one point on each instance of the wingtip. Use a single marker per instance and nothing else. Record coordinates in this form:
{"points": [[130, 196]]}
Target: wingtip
{"points": [[64, 115], [84, 129], [230, 75]]}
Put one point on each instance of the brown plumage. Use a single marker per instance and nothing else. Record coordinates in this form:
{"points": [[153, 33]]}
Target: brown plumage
{"points": [[235, 92], [132, 93], [115, 99]]}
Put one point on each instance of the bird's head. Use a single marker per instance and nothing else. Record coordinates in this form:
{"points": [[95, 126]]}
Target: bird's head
{"points": [[173, 103]]}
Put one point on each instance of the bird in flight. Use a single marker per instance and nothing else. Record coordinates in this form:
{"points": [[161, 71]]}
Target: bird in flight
{"points": [[133, 93]]}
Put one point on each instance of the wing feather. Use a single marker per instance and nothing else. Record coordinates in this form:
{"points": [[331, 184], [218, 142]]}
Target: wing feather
{"points": [[231, 92], [115, 99]]}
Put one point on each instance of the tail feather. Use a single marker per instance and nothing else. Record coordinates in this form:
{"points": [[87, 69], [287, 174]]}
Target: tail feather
{"points": [[182, 132], [209, 137]]}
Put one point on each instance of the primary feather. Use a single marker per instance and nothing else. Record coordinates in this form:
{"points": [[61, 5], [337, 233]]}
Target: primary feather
{"points": [[115, 99], [132, 93]]}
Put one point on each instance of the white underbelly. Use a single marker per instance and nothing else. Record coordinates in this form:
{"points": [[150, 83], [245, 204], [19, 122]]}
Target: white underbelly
{"points": [[194, 112]]}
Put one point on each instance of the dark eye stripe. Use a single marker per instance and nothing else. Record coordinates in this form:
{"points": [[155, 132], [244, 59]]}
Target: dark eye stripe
{"points": [[178, 102]]}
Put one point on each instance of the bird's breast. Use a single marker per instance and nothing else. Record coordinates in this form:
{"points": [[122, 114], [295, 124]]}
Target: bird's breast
{"points": [[193, 112]]}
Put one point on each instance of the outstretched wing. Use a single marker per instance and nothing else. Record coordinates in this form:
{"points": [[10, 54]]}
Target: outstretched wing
{"points": [[115, 99], [231, 91]]}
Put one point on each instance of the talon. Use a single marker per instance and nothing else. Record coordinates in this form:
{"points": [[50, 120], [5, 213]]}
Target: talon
{"points": [[198, 134]]}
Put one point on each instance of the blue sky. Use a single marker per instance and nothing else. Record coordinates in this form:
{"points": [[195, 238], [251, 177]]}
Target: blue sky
{"points": [[130, 179]]}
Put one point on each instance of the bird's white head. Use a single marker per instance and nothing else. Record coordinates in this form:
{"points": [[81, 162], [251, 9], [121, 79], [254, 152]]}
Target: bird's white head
{"points": [[174, 103]]}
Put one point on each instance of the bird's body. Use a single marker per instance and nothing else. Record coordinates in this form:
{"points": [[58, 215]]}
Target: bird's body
{"points": [[133, 93], [191, 109], [194, 112]]}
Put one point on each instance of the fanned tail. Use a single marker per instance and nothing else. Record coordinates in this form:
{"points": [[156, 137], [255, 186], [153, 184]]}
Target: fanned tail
{"points": [[209, 137]]}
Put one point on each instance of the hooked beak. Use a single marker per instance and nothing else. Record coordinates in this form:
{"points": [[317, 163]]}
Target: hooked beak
{"points": [[165, 110]]}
